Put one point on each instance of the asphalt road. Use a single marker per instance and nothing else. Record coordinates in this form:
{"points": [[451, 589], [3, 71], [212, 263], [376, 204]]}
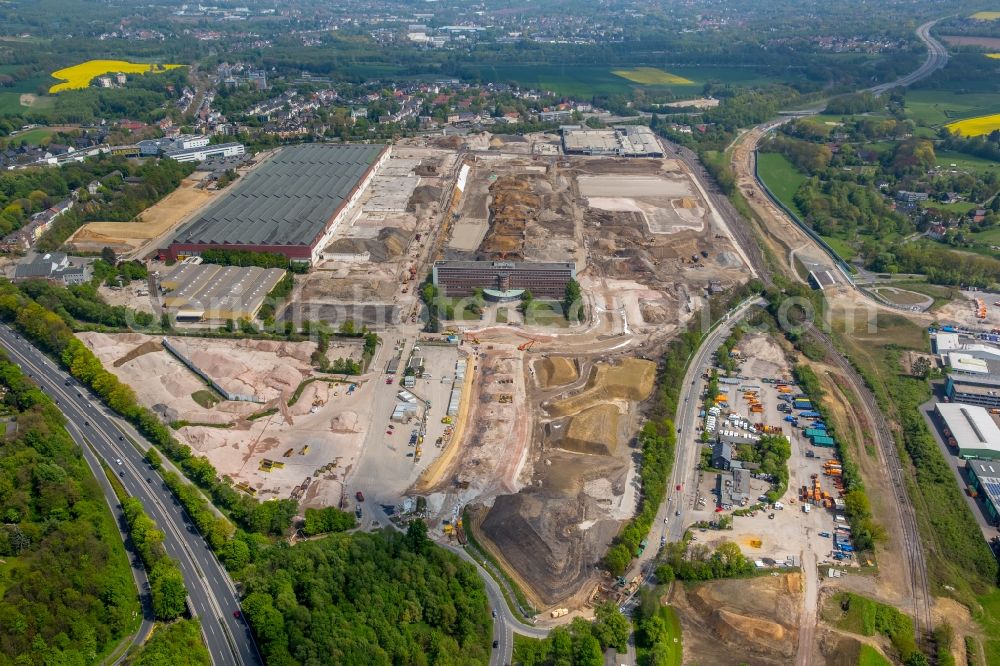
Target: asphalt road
{"points": [[937, 57], [212, 594]]}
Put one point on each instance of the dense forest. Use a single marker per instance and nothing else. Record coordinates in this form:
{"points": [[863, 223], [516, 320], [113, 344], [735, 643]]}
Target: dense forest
{"points": [[379, 598], [68, 593], [581, 643]]}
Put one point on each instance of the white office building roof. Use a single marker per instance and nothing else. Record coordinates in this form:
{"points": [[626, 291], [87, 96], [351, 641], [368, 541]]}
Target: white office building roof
{"points": [[961, 362]]}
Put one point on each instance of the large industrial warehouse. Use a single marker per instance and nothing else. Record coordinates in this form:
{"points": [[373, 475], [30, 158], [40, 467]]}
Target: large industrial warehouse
{"points": [[290, 205], [196, 292], [970, 429]]}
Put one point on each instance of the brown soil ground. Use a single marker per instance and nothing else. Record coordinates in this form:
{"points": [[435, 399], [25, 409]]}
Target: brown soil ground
{"points": [[556, 371], [145, 348], [593, 431], [740, 621], [632, 380], [155, 220]]}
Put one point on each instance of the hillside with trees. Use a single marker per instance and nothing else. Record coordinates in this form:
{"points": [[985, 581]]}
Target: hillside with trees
{"points": [[368, 598], [67, 591]]}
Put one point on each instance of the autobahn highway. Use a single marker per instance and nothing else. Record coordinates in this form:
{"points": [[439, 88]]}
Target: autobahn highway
{"points": [[937, 57], [213, 596]]}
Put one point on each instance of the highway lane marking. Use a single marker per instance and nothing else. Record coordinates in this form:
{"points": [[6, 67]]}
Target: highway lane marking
{"points": [[154, 500]]}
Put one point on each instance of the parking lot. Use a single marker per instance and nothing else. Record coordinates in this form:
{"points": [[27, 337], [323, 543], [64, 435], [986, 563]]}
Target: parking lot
{"points": [[389, 463]]}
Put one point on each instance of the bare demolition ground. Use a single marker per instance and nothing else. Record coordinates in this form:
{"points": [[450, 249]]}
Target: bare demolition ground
{"points": [[153, 222], [313, 440], [377, 249]]}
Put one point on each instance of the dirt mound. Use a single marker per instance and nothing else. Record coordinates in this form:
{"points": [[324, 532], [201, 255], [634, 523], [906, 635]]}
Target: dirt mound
{"points": [[556, 371], [388, 244], [632, 380], [145, 348], [731, 620], [593, 431], [345, 422], [737, 627], [513, 205], [450, 142], [422, 196], [537, 537]]}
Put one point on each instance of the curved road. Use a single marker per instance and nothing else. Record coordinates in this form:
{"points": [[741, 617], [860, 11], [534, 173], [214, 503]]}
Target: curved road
{"points": [[213, 596]]}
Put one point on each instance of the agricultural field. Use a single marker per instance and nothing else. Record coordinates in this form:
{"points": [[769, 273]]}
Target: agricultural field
{"points": [[939, 107], [965, 162], [995, 56], [587, 81], [80, 76], [652, 76], [986, 16], [976, 126]]}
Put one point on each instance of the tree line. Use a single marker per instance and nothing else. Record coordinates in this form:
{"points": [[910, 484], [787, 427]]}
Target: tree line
{"points": [[69, 597]]}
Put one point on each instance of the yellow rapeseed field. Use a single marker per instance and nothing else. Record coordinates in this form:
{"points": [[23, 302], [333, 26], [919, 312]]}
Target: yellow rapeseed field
{"points": [[80, 76], [986, 16], [651, 76], [976, 126], [995, 56]]}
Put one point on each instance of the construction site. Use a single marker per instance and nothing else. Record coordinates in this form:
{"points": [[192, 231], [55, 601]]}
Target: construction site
{"points": [[257, 410], [544, 466]]}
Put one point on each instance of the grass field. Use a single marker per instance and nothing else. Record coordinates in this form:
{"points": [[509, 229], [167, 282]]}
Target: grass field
{"points": [[34, 136], [668, 650], [986, 16], [841, 247], [939, 107], [781, 177], [651, 76], [206, 398], [587, 81], [966, 162], [80, 76], [989, 619], [869, 656], [976, 126]]}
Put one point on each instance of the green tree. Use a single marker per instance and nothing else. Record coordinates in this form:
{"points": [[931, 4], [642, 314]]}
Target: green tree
{"points": [[611, 628], [617, 559], [167, 589]]}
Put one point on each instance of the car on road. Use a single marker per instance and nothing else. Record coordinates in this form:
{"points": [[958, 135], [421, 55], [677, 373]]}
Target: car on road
{"points": [[118, 460], [388, 380], [360, 496], [678, 486], [496, 644], [237, 614], [825, 535], [494, 612], [677, 512], [388, 432]]}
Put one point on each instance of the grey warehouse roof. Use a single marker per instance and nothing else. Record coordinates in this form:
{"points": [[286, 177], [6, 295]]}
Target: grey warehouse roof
{"points": [[287, 200]]}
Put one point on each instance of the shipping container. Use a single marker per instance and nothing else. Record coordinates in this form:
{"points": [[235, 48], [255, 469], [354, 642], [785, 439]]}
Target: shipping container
{"points": [[823, 441]]}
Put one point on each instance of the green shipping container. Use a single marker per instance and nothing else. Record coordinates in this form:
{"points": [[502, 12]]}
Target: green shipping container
{"points": [[814, 432], [822, 440]]}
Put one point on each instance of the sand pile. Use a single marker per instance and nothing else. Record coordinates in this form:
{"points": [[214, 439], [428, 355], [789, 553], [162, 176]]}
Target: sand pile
{"points": [[145, 348], [556, 371], [388, 244]]}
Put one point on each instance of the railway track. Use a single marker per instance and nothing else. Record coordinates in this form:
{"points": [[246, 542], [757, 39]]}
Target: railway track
{"points": [[912, 548], [922, 616]]}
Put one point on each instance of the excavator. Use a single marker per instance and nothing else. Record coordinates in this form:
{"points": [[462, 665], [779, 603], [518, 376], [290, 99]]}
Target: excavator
{"points": [[526, 346]]}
